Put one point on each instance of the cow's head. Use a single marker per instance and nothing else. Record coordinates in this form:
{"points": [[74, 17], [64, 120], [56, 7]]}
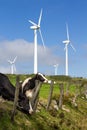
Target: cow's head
{"points": [[41, 77]]}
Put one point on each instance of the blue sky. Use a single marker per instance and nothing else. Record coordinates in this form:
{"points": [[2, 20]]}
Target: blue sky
{"points": [[16, 37]]}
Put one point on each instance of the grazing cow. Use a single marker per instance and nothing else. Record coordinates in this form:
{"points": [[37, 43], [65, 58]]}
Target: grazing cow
{"points": [[28, 87]]}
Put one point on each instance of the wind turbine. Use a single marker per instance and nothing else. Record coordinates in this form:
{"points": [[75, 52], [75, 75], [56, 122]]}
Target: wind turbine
{"points": [[56, 67], [12, 63], [67, 42], [36, 27]]}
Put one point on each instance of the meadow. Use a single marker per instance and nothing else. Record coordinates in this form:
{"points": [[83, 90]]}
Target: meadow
{"points": [[73, 118]]}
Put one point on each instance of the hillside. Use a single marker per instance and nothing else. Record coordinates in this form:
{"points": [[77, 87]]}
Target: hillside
{"points": [[76, 119], [71, 118]]}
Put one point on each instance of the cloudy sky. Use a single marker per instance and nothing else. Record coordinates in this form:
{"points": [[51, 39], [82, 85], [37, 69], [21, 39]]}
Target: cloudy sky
{"points": [[17, 39]]}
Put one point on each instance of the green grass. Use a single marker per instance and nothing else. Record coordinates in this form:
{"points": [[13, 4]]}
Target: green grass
{"points": [[76, 119], [45, 88]]}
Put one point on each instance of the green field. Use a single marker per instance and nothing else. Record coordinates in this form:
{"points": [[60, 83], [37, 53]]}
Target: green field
{"points": [[73, 119]]}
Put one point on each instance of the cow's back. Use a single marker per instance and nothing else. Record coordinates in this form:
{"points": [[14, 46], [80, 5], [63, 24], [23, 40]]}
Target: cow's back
{"points": [[7, 90]]}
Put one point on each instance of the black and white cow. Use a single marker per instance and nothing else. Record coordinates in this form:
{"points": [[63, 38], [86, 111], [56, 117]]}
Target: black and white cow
{"points": [[7, 90], [28, 87]]}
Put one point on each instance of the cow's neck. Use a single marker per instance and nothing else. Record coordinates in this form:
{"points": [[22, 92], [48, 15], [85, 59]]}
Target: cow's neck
{"points": [[33, 81], [34, 78]]}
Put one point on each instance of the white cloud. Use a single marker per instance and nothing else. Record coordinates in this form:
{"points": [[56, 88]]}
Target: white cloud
{"points": [[4, 69], [18, 47], [24, 51]]}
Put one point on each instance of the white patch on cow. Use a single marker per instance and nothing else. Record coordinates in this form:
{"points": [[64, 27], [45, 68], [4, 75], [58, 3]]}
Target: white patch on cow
{"points": [[46, 80], [31, 109], [29, 93], [25, 81]]}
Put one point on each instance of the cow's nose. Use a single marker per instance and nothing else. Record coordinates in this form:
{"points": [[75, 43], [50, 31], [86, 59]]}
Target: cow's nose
{"points": [[46, 81]]}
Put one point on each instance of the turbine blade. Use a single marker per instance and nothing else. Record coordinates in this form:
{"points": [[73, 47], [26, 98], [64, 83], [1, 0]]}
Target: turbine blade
{"points": [[42, 38], [9, 61], [67, 31], [32, 22], [14, 59], [39, 21], [72, 47]]}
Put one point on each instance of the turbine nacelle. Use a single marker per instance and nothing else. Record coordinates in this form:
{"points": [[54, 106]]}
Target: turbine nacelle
{"points": [[10, 62], [56, 65], [66, 41], [34, 27]]}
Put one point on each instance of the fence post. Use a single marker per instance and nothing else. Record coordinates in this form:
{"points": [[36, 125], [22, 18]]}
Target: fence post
{"points": [[50, 94], [34, 100], [61, 86], [68, 87], [15, 98]]}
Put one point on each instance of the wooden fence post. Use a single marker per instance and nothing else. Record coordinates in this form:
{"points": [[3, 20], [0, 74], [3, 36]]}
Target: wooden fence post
{"points": [[34, 100], [80, 88], [61, 86], [15, 98], [50, 94], [68, 87]]}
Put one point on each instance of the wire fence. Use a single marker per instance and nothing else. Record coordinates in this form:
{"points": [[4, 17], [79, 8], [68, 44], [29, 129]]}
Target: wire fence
{"points": [[52, 90]]}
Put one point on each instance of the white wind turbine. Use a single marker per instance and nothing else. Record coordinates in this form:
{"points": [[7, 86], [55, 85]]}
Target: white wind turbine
{"points": [[12, 63], [36, 27], [56, 68], [67, 42]]}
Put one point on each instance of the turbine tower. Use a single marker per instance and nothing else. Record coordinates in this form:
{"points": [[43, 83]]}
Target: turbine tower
{"points": [[36, 27], [67, 42], [12, 63], [56, 67]]}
